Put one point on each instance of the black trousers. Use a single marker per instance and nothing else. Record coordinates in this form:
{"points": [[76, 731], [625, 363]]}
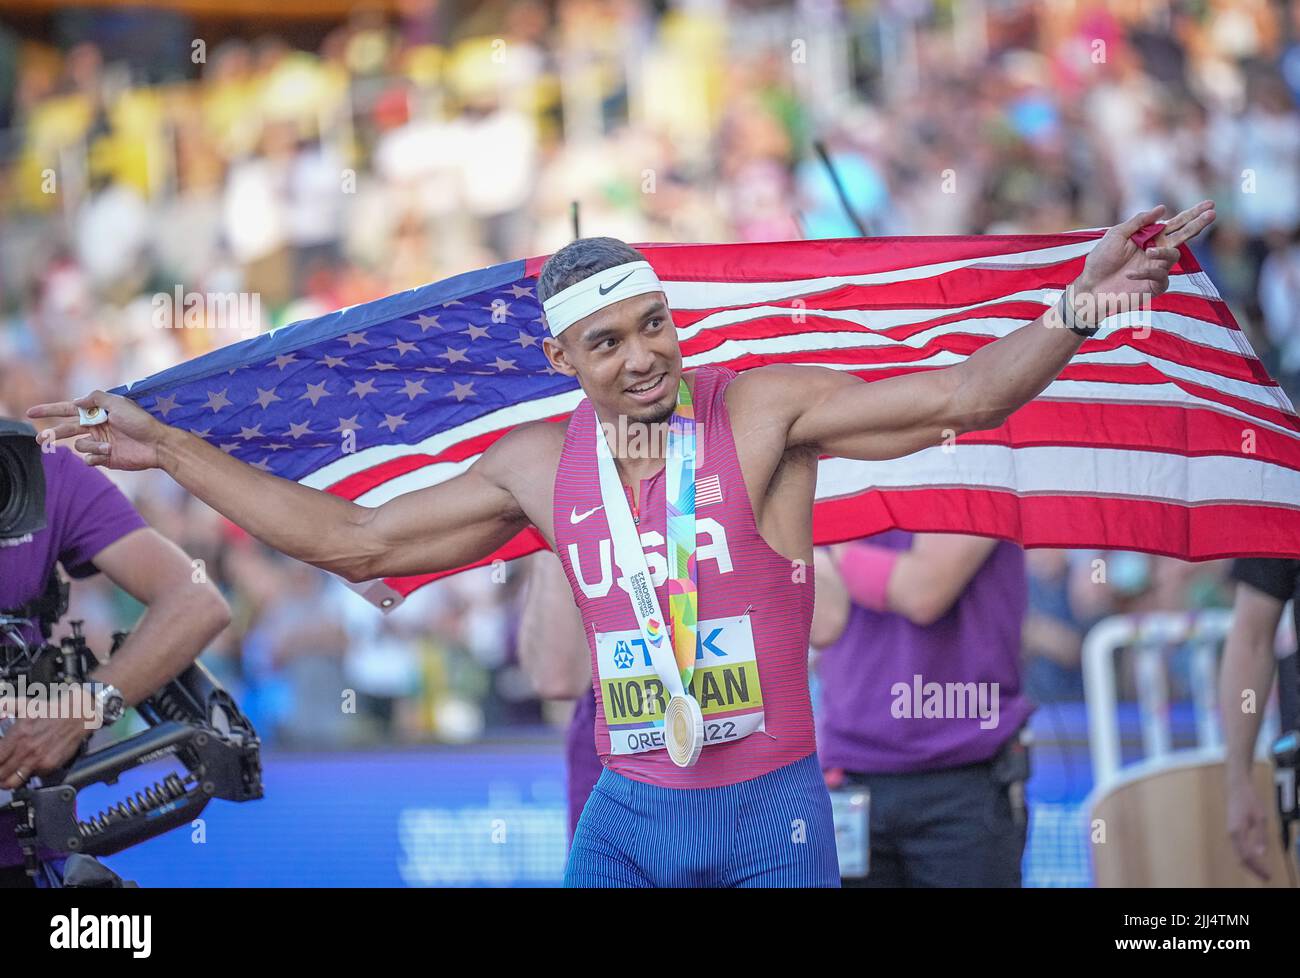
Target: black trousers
{"points": [[954, 827]]}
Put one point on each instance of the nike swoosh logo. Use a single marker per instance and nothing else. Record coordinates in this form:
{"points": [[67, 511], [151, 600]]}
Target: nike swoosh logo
{"points": [[606, 289], [575, 518]]}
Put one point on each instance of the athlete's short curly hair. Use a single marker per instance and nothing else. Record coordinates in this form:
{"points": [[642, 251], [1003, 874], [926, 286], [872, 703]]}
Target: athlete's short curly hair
{"points": [[581, 259]]}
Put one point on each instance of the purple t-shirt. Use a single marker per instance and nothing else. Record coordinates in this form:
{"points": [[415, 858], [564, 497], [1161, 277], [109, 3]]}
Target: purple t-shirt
{"points": [[582, 763], [897, 697], [84, 513]]}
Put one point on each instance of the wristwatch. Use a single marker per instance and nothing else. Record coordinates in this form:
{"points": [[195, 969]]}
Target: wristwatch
{"points": [[110, 704], [1070, 318]]}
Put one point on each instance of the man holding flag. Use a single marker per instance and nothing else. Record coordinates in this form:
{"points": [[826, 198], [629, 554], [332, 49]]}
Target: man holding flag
{"points": [[698, 627]]}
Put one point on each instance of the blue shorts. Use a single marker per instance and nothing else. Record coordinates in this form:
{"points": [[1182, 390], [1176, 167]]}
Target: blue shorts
{"points": [[773, 830]]}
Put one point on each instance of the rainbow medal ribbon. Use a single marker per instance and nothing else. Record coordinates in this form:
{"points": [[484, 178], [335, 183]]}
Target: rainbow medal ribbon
{"points": [[683, 719]]}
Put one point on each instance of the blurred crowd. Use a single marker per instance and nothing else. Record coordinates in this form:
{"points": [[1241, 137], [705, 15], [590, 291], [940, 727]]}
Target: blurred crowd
{"points": [[328, 165]]}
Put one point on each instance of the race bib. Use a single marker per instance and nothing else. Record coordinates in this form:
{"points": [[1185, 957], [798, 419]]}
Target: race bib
{"points": [[725, 684]]}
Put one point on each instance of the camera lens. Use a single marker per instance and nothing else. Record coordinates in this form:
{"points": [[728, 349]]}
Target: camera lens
{"points": [[22, 481], [11, 489]]}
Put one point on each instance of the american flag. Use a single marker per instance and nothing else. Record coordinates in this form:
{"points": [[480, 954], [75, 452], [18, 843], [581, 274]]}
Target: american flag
{"points": [[1170, 440]]}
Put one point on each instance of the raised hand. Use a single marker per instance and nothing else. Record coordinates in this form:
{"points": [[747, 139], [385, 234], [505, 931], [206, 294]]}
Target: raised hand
{"points": [[128, 440], [1121, 274]]}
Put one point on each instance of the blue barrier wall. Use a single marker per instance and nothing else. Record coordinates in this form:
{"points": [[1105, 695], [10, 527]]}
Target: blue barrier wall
{"points": [[493, 814], [475, 816]]}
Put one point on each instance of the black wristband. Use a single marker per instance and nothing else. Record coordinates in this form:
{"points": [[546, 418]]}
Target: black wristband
{"points": [[1070, 319]]}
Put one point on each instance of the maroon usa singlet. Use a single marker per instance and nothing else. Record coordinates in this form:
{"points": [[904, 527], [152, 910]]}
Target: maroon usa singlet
{"points": [[755, 613]]}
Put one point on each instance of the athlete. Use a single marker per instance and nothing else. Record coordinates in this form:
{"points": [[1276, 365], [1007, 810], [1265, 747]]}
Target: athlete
{"points": [[739, 800]]}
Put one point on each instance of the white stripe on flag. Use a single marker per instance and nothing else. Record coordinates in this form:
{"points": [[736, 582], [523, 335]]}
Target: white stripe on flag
{"points": [[1032, 469], [1067, 470], [879, 321], [507, 417], [1074, 391], [1061, 392]]}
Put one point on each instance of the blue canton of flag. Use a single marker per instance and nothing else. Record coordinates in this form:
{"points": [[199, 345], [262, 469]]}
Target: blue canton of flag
{"points": [[396, 373]]}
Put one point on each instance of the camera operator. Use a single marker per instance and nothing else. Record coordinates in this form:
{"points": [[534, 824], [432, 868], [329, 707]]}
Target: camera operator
{"points": [[1264, 586], [947, 781], [90, 526]]}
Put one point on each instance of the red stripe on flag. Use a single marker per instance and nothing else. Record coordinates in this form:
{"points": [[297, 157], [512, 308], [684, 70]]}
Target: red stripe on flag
{"points": [[1205, 532], [1143, 373], [1210, 532], [359, 483], [1156, 343], [765, 261], [1162, 428], [948, 290], [780, 261], [1159, 428], [965, 287]]}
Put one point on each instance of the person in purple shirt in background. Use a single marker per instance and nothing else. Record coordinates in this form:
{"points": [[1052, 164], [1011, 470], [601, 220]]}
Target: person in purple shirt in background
{"points": [[91, 527], [553, 651], [921, 702]]}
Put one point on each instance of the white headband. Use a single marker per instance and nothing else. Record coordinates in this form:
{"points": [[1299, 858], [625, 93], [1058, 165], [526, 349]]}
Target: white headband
{"points": [[597, 291]]}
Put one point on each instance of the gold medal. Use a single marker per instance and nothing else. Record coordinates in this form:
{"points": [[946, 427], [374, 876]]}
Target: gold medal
{"points": [[684, 730]]}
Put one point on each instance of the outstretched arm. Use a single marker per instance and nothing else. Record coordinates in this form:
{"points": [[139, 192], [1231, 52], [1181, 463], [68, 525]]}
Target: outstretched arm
{"points": [[840, 414], [432, 529]]}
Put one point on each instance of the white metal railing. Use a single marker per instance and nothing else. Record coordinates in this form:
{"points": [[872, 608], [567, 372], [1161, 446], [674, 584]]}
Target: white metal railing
{"points": [[1152, 636]]}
